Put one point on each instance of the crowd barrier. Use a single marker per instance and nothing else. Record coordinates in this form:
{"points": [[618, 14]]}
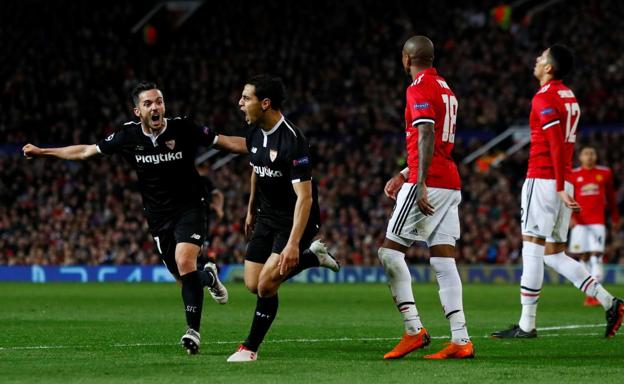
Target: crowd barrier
{"points": [[486, 274]]}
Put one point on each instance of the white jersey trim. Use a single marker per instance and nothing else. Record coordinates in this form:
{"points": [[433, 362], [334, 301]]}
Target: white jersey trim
{"points": [[422, 120], [289, 127], [546, 126]]}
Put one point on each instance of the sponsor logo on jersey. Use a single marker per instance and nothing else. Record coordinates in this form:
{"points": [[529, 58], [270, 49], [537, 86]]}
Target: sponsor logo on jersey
{"points": [[265, 171], [547, 111], [273, 154], [160, 158], [424, 105], [110, 137], [302, 161], [565, 94], [254, 149], [590, 189], [170, 144]]}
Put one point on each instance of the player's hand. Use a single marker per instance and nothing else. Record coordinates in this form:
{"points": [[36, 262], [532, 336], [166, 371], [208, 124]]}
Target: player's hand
{"points": [[31, 151], [288, 259], [422, 200], [393, 186], [569, 201], [250, 222]]}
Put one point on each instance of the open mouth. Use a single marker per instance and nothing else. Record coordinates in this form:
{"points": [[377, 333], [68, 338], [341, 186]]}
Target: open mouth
{"points": [[155, 117]]}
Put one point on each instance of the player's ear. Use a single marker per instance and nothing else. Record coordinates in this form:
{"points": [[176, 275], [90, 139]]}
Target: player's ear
{"points": [[137, 113], [265, 104]]}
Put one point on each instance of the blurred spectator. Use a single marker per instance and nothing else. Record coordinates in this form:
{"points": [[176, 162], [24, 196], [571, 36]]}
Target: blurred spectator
{"points": [[66, 71]]}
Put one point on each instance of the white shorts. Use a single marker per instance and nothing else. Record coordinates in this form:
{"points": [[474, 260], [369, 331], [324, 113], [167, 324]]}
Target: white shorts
{"points": [[543, 213], [587, 238], [407, 224]]}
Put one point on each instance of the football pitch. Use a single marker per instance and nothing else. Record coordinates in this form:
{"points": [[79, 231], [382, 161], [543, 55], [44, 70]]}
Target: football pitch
{"points": [[114, 333]]}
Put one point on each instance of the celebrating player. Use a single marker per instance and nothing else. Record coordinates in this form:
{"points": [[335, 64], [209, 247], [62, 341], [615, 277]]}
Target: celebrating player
{"points": [[426, 205], [162, 151], [593, 189], [547, 201], [283, 214]]}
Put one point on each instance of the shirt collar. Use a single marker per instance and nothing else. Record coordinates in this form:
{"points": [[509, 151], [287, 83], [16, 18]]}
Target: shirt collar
{"points": [[428, 71], [153, 137], [279, 122]]}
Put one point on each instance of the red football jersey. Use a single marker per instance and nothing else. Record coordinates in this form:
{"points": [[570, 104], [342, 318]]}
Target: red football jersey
{"points": [[431, 100], [554, 117], [593, 190]]}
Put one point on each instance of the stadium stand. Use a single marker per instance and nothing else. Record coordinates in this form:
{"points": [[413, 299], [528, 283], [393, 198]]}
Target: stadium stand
{"points": [[66, 78]]}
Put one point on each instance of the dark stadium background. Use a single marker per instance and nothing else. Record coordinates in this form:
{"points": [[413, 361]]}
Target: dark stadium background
{"points": [[66, 69]]}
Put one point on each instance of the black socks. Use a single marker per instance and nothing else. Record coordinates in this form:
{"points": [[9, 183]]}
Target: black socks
{"points": [[193, 298], [307, 259], [266, 309], [207, 279]]}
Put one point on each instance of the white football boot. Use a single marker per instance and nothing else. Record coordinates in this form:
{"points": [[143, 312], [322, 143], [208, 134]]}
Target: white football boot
{"points": [[242, 355], [324, 257], [218, 291], [190, 341]]}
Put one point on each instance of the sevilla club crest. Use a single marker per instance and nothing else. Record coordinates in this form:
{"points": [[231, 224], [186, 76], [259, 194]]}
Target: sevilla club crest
{"points": [[273, 154], [170, 144]]}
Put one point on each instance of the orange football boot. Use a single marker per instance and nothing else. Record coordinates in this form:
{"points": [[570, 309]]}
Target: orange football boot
{"points": [[408, 344], [454, 351], [591, 302]]}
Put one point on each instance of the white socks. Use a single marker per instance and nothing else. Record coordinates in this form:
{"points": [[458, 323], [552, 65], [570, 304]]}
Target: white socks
{"points": [[530, 283], [451, 297], [401, 287], [579, 276], [595, 268]]}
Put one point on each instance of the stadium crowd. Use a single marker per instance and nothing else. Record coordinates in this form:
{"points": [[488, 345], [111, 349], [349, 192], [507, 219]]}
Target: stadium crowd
{"points": [[66, 80]]}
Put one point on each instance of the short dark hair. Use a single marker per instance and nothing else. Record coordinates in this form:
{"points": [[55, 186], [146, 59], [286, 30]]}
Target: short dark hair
{"points": [[269, 87], [141, 87], [562, 60]]}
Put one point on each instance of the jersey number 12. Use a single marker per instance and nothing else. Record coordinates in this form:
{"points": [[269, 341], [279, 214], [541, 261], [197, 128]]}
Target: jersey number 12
{"points": [[574, 112], [450, 118]]}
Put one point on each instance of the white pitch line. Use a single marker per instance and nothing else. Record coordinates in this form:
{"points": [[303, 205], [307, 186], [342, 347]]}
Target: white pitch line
{"points": [[330, 340], [571, 327]]}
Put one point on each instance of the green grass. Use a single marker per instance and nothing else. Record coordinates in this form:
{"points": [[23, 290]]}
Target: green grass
{"points": [[111, 333]]}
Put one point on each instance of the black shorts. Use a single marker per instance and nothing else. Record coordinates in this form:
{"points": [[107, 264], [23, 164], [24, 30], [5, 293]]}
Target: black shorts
{"points": [[267, 239], [188, 226]]}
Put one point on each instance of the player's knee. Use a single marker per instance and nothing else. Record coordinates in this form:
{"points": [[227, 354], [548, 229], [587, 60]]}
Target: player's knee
{"points": [[267, 288], [186, 265], [252, 286], [386, 256]]}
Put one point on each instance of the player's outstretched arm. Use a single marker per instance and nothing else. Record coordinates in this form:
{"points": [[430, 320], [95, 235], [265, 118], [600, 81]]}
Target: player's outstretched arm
{"points": [[234, 144], [72, 152], [289, 257]]}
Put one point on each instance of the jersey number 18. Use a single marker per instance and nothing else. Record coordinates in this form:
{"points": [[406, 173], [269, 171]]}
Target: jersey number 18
{"points": [[450, 118]]}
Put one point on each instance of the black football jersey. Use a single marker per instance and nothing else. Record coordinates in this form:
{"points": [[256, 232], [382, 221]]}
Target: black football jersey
{"points": [[280, 158], [165, 164]]}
